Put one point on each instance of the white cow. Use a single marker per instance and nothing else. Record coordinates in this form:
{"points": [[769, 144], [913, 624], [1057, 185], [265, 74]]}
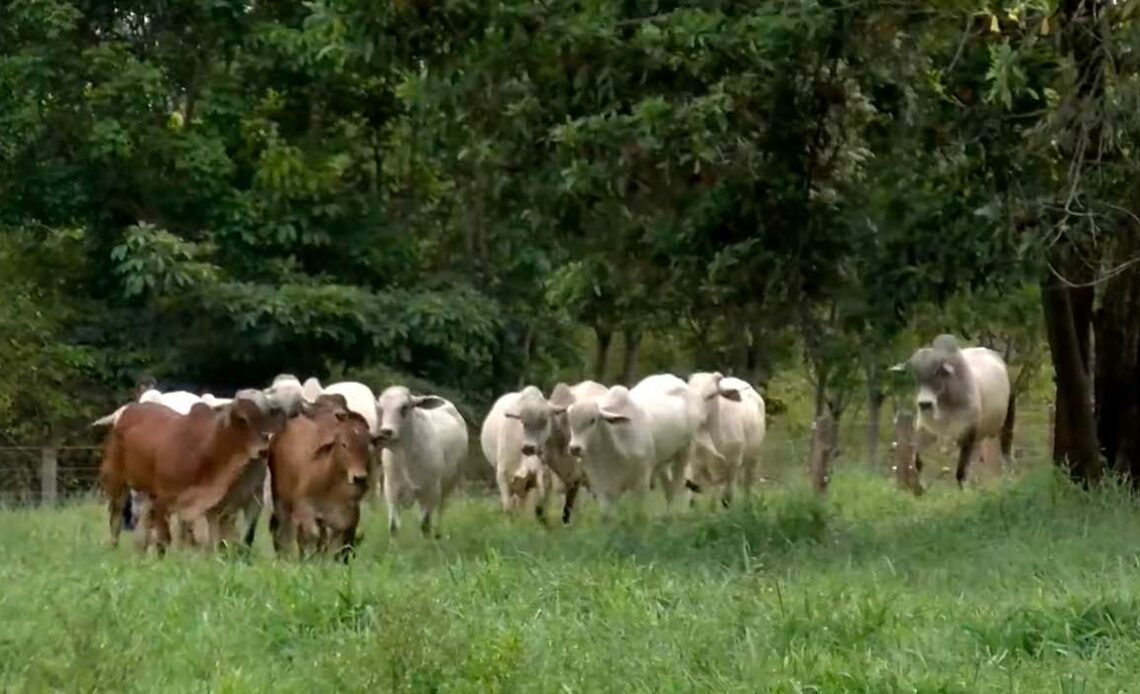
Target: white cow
{"points": [[425, 441], [674, 415], [613, 438], [963, 395], [525, 436], [729, 437], [178, 400]]}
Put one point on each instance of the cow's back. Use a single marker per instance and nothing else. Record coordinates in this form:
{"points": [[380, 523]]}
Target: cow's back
{"points": [[991, 381], [500, 437], [141, 434], [670, 410], [450, 433]]}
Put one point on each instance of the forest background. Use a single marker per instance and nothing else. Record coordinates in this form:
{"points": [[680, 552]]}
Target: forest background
{"points": [[468, 196]]}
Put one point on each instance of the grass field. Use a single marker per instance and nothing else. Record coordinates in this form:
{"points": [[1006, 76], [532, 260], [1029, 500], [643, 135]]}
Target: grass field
{"points": [[1020, 585]]}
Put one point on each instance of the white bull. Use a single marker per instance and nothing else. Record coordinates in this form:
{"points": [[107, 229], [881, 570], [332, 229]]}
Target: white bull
{"points": [[729, 437], [425, 441], [525, 437], [963, 395]]}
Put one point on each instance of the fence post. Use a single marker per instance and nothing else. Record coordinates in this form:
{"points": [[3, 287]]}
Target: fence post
{"points": [[49, 471], [821, 453], [904, 450]]}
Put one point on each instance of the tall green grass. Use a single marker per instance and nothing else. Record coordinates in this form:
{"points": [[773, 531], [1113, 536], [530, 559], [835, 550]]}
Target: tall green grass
{"points": [[1020, 585]]}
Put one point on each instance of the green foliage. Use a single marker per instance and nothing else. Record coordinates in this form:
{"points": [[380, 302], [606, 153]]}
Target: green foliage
{"points": [[458, 193]]}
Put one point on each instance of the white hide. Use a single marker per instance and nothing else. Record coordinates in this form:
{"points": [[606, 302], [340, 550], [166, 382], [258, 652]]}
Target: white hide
{"points": [[425, 442], [673, 415], [178, 400], [989, 400], [613, 438], [501, 439], [357, 396], [287, 392], [730, 434]]}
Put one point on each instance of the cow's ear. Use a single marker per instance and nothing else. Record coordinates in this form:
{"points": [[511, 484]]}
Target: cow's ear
{"points": [[428, 402], [234, 414], [947, 369], [512, 415], [732, 394], [325, 448]]}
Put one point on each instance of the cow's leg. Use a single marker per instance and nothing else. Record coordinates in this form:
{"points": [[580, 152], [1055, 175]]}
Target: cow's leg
{"points": [[923, 440], [542, 493], [375, 494], [748, 473], [348, 537], [116, 498], [732, 467], [279, 527], [506, 499], [392, 498], [676, 480], [393, 520], [144, 526], [967, 448], [568, 505], [130, 520], [431, 502], [159, 519]]}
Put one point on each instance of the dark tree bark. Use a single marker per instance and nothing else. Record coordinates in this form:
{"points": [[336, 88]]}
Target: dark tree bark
{"points": [[1067, 301], [1067, 322], [1117, 380], [631, 344], [875, 398], [604, 335]]}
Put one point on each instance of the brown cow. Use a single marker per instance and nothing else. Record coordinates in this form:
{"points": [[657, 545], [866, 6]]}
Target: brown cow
{"points": [[318, 472], [187, 465]]}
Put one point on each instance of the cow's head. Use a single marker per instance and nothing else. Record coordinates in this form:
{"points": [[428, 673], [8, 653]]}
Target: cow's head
{"points": [[394, 410], [533, 411], [257, 416], [344, 441], [286, 392], [942, 375], [589, 419]]}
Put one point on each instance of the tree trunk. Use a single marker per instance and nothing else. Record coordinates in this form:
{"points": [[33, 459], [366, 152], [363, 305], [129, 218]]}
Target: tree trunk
{"points": [[1117, 380], [875, 400], [1067, 317], [604, 336], [820, 390], [631, 344]]}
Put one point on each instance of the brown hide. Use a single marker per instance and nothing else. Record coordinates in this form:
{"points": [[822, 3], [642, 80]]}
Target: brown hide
{"points": [[185, 463], [318, 470]]}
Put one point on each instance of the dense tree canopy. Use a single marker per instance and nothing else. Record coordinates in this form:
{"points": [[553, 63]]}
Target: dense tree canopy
{"points": [[473, 195]]}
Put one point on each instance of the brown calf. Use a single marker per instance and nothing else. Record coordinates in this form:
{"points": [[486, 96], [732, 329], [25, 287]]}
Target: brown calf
{"points": [[186, 464], [318, 472]]}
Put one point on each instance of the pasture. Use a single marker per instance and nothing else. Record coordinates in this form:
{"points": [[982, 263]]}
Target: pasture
{"points": [[1017, 584]]}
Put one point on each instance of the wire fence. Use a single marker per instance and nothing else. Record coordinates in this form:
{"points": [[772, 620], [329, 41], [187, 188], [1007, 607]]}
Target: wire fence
{"points": [[35, 475]]}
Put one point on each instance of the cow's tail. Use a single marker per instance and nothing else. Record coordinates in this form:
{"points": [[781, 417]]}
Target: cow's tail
{"points": [[1007, 427], [109, 419]]}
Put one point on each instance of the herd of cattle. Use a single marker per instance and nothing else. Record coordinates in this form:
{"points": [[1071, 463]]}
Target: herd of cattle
{"points": [[313, 453]]}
